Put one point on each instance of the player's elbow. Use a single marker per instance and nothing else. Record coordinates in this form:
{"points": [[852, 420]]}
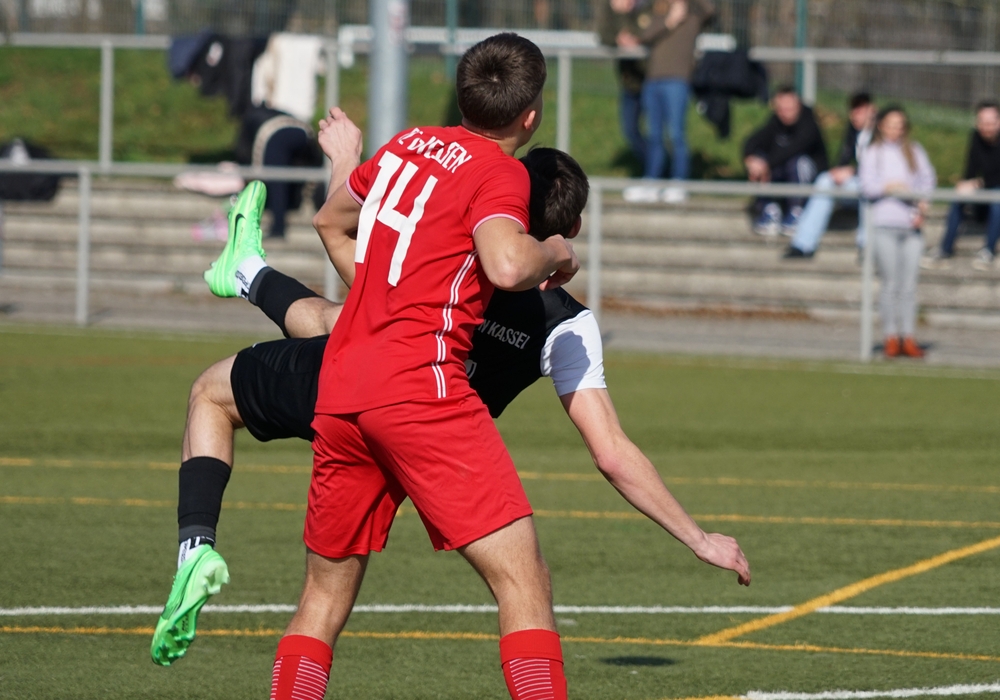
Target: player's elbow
{"points": [[321, 223], [507, 274], [609, 464]]}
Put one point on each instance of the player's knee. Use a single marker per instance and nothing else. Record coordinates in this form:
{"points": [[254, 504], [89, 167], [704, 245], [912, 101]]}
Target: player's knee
{"points": [[212, 386]]}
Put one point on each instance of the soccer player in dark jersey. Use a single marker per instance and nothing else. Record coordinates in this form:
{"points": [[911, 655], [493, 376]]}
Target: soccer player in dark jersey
{"points": [[271, 387]]}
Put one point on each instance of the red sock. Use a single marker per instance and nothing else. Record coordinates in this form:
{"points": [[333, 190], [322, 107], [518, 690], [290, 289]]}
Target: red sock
{"points": [[532, 664], [301, 668]]}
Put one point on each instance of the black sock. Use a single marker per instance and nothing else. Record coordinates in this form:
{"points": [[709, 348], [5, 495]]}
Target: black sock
{"points": [[273, 292], [202, 483]]}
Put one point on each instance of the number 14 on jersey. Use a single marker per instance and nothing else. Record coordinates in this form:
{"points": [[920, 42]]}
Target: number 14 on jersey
{"points": [[375, 210]]}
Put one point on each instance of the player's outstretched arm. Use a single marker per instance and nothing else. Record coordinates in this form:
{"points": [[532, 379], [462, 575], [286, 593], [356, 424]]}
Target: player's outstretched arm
{"points": [[337, 220], [515, 261], [637, 480]]}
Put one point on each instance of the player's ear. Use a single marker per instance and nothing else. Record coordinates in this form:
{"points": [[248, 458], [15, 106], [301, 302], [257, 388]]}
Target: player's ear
{"points": [[577, 225], [531, 120]]}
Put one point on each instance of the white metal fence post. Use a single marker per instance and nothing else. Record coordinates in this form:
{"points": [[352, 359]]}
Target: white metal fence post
{"points": [[594, 251], [331, 286], [809, 79], [867, 272], [83, 250], [107, 102], [564, 100]]}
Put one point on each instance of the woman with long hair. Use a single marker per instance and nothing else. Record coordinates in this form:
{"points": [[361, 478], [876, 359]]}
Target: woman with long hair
{"points": [[894, 172]]}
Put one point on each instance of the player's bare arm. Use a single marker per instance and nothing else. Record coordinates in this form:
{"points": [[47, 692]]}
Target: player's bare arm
{"points": [[337, 220], [515, 261], [636, 479]]}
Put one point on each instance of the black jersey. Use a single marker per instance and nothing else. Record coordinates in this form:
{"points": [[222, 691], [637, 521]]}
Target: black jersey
{"points": [[507, 347], [275, 384]]}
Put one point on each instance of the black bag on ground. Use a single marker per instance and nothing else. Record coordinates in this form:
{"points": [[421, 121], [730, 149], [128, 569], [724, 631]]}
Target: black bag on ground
{"points": [[14, 186]]}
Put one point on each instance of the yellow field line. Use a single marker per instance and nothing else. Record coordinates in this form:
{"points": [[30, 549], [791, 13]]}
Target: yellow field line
{"points": [[553, 514], [869, 652], [536, 476], [867, 522], [842, 594], [483, 637]]}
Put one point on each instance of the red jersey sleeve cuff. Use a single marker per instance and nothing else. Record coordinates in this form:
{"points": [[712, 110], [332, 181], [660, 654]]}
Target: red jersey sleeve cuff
{"points": [[498, 216], [350, 190]]}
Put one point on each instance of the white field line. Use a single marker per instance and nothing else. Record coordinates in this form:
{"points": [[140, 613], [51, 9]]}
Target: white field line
{"points": [[466, 609], [864, 694]]}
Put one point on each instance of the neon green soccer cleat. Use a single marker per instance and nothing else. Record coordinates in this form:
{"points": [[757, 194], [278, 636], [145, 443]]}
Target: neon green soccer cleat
{"points": [[201, 577], [244, 240]]}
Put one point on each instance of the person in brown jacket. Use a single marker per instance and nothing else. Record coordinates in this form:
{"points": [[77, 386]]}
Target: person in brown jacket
{"points": [[669, 29]]}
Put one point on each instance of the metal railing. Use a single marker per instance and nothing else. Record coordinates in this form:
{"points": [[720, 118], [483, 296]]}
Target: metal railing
{"points": [[564, 46], [599, 186]]}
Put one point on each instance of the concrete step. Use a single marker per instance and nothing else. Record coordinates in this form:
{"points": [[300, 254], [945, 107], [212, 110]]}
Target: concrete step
{"points": [[802, 291], [701, 254]]}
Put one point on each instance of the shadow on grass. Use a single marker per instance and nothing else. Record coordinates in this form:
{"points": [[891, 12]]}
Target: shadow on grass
{"points": [[638, 661]]}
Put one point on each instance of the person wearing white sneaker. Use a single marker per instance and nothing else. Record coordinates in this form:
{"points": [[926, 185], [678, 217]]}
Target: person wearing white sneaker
{"points": [[641, 194], [674, 195], [983, 260]]}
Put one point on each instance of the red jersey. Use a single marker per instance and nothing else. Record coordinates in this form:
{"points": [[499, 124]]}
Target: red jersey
{"points": [[419, 291]]}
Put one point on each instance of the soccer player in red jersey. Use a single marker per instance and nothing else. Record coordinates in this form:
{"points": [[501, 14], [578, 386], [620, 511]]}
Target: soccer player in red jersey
{"points": [[440, 216]]}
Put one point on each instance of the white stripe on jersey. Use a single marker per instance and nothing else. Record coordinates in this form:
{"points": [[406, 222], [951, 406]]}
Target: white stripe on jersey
{"points": [[448, 324]]}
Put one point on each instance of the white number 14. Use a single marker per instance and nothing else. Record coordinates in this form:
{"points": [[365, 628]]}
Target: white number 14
{"points": [[373, 210]]}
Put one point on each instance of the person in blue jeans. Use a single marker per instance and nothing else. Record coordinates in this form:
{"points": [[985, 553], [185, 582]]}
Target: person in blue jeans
{"points": [[618, 28], [982, 171], [669, 29], [842, 177]]}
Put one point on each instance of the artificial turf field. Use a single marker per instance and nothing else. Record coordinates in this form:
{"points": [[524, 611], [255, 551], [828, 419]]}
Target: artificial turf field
{"points": [[835, 479]]}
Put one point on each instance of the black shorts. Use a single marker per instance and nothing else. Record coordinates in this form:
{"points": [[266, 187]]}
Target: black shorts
{"points": [[275, 386]]}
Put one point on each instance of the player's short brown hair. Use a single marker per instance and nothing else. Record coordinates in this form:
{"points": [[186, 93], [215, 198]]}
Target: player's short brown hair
{"points": [[559, 190], [499, 78]]}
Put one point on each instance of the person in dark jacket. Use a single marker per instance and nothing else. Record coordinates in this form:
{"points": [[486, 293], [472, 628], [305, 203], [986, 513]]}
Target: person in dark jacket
{"points": [[618, 29], [815, 218], [788, 148], [269, 137], [982, 171]]}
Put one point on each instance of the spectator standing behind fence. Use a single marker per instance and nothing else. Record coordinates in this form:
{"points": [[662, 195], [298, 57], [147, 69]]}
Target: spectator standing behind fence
{"points": [[842, 177], [619, 29], [892, 166], [982, 171], [669, 29], [788, 148]]}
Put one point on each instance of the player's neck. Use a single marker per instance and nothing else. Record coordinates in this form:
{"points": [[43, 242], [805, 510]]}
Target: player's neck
{"points": [[508, 142]]}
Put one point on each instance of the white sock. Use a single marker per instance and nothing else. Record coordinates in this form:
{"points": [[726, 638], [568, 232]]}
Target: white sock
{"points": [[189, 545], [246, 272]]}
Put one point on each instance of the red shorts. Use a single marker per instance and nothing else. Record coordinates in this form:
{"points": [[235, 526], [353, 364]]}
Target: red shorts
{"points": [[445, 454]]}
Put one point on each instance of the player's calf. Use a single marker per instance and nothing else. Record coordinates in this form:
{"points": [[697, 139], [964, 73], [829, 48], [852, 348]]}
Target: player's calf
{"points": [[207, 457], [511, 563]]}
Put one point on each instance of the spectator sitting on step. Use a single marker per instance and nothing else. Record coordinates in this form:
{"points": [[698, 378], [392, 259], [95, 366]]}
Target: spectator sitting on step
{"points": [[982, 171], [269, 138], [788, 148], [843, 177]]}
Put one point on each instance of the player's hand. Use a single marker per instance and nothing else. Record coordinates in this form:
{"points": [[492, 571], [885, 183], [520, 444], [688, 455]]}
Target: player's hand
{"points": [[724, 552], [567, 270], [339, 137]]}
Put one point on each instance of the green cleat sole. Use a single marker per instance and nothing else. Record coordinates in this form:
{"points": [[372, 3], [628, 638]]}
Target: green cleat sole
{"points": [[202, 576]]}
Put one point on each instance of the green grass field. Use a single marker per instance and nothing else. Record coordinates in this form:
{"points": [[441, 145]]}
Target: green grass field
{"points": [[827, 475], [51, 96]]}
